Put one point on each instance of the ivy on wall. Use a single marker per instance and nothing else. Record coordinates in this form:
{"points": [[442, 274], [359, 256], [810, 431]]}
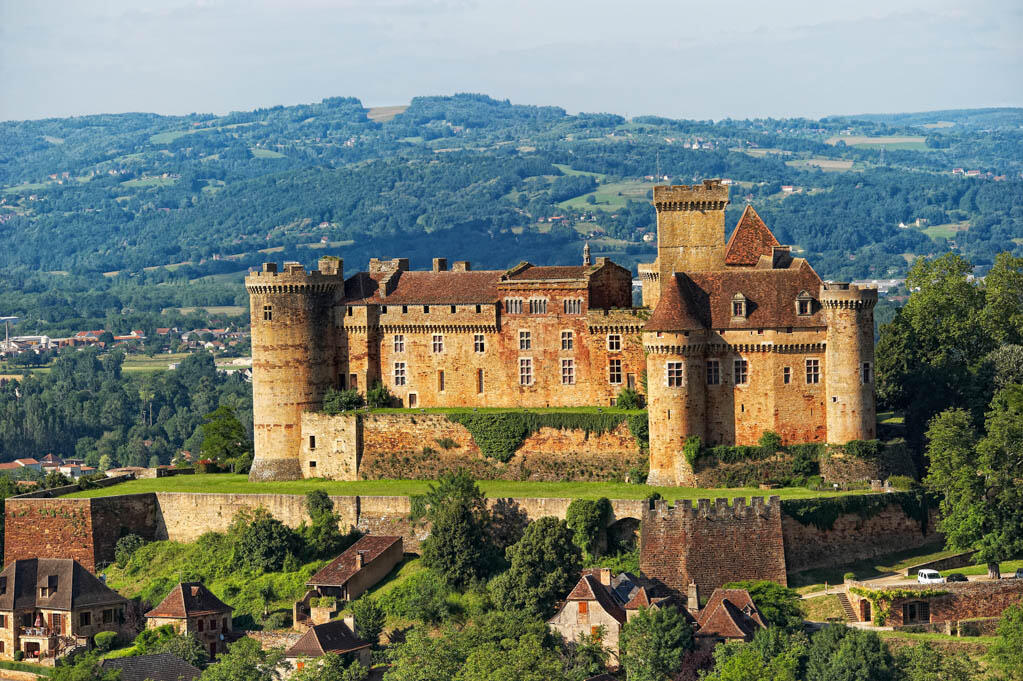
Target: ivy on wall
{"points": [[881, 599], [823, 512], [499, 435]]}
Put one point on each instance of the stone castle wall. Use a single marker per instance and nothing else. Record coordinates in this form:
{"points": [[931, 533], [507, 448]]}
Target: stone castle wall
{"points": [[964, 600]]}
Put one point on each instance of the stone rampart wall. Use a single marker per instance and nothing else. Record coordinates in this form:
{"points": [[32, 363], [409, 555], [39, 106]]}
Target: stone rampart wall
{"points": [[960, 601]]}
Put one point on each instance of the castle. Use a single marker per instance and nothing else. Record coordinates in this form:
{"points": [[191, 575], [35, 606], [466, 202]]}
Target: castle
{"points": [[734, 339]]}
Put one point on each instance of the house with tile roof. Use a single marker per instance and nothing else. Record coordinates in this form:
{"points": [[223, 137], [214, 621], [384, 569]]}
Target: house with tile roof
{"points": [[193, 609], [158, 667], [337, 636], [730, 615], [50, 606], [737, 338]]}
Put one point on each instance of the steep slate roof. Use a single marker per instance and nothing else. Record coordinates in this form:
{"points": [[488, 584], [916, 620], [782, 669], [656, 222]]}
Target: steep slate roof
{"points": [[332, 637], [21, 580], [589, 588], [429, 288], [159, 667], [730, 613], [338, 571], [750, 240], [698, 300], [189, 599]]}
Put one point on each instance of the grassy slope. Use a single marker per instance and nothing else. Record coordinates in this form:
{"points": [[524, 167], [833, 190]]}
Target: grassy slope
{"points": [[239, 484], [809, 581]]}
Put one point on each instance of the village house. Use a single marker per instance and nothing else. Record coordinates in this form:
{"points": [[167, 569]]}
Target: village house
{"points": [[191, 608], [158, 667], [364, 564], [50, 606], [730, 615], [337, 636]]}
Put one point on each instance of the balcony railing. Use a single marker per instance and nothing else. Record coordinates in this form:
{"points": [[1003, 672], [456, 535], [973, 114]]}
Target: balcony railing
{"points": [[38, 632]]}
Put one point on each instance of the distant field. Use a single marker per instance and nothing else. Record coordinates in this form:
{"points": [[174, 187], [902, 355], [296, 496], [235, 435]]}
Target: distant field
{"points": [[832, 164], [266, 153], [239, 484], [151, 182], [211, 309], [611, 197], [763, 152], [946, 231], [382, 114], [28, 186], [226, 276], [889, 141], [569, 170], [143, 364]]}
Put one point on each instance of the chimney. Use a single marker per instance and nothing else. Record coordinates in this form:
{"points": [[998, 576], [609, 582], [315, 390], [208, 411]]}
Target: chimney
{"points": [[586, 255], [781, 257], [440, 264], [693, 599], [461, 266], [360, 561], [605, 576], [349, 620]]}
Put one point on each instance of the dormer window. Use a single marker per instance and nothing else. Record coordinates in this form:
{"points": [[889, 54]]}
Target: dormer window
{"points": [[804, 304], [740, 306]]}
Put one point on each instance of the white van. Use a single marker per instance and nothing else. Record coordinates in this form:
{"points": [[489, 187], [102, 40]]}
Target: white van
{"points": [[929, 577]]}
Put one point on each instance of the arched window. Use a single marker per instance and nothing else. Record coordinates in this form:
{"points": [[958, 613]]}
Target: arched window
{"points": [[740, 309]]}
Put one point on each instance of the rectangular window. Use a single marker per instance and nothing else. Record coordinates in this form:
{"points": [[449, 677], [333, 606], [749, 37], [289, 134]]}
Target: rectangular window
{"points": [[268, 313], [866, 373], [84, 619], [740, 372], [537, 306], [213, 624], [786, 375], [312, 442], [584, 607], [513, 305], [574, 306], [804, 307], [399, 343], [713, 372], [312, 464], [426, 309], [738, 308], [201, 624], [525, 340], [440, 380], [614, 342], [595, 632], [566, 340], [350, 311], [438, 342], [399, 373], [568, 372], [673, 374], [479, 308], [614, 372], [57, 623], [526, 371], [3, 620], [479, 381], [453, 309], [404, 309], [383, 309], [108, 616], [813, 371], [479, 343]]}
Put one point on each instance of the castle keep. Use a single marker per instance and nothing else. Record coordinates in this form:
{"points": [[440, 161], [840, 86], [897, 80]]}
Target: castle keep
{"points": [[734, 339]]}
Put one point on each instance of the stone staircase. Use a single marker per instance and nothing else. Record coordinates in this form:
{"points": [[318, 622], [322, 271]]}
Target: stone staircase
{"points": [[847, 608]]}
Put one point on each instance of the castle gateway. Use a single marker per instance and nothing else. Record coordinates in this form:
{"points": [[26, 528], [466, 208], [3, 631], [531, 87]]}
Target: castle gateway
{"points": [[734, 339]]}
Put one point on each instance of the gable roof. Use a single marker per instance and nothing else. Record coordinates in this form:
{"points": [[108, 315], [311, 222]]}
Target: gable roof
{"points": [[589, 588], [750, 240], [76, 587], [189, 599], [527, 271], [730, 613], [158, 667], [429, 288], [338, 571], [676, 310], [332, 637]]}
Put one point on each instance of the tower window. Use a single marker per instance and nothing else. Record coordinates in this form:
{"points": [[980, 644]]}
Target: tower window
{"points": [[268, 313], [614, 342], [383, 309], [399, 342], [740, 309], [399, 373], [537, 306], [813, 371], [479, 381], [568, 372], [525, 340], [479, 343], [740, 372], [804, 304], [426, 309], [453, 309], [526, 371], [574, 306], [673, 374], [713, 372], [438, 342], [786, 375], [614, 372], [866, 373], [566, 340], [312, 442], [479, 308], [513, 305], [440, 380]]}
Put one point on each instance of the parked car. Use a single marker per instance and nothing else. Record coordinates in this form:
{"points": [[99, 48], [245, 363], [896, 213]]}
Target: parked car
{"points": [[956, 577], [1018, 574], [929, 577]]}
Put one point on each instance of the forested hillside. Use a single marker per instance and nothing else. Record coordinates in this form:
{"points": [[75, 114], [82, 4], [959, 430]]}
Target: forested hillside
{"points": [[159, 202]]}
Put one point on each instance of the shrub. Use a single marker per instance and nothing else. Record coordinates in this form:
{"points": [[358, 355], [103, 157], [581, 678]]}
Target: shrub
{"points": [[423, 597], [126, 548], [19, 655], [849, 576], [692, 449], [105, 640], [629, 399], [588, 521], [903, 483], [863, 449], [261, 541], [323, 602], [277, 620], [639, 426], [379, 396], [337, 401], [770, 443], [369, 619], [446, 443]]}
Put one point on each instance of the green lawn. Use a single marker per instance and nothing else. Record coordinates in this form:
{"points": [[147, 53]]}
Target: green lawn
{"points": [[239, 484], [144, 364], [612, 196], [212, 309], [946, 231], [569, 170], [1007, 568], [150, 182], [810, 581], [822, 608], [265, 153]]}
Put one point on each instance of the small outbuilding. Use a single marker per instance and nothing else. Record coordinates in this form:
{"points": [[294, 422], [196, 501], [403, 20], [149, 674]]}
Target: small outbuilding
{"points": [[191, 608]]}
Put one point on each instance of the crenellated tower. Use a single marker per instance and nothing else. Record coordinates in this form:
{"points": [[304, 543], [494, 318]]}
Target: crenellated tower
{"points": [[849, 361], [297, 353]]}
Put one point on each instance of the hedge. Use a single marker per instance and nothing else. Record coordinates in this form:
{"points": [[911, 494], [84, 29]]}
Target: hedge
{"points": [[34, 668], [500, 435], [823, 512]]}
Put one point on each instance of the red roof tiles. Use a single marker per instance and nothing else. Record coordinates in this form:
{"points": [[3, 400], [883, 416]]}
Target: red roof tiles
{"points": [[436, 288], [750, 240], [730, 613], [331, 637], [189, 599], [338, 571]]}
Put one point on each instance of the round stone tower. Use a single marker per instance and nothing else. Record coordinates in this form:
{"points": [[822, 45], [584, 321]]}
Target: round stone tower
{"points": [[296, 319], [849, 361], [676, 396]]}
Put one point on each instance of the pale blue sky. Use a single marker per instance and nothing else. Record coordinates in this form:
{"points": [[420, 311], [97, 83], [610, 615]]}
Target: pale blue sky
{"points": [[676, 58]]}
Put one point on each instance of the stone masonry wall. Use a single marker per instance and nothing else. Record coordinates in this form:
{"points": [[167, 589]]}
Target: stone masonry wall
{"points": [[964, 601], [853, 538], [713, 544]]}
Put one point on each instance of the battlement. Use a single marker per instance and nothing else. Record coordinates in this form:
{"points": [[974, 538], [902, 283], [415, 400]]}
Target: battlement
{"points": [[711, 195], [718, 509], [840, 294], [293, 274]]}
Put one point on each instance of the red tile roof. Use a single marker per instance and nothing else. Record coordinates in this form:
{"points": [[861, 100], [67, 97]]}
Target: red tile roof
{"points": [[331, 637], [338, 571], [589, 588], [189, 599], [544, 273], [74, 586], [730, 613], [429, 288], [750, 240]]}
